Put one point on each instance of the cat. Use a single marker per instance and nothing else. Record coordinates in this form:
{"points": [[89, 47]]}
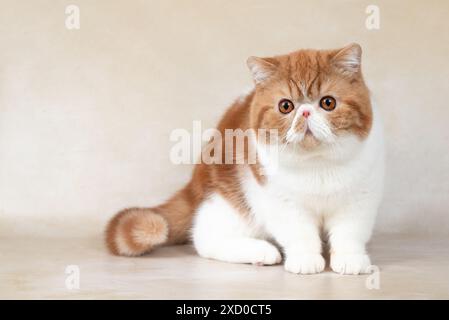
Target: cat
{"points": [[323, 185]]}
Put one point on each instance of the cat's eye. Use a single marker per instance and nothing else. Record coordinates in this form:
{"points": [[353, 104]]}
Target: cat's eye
{"points": [[286, 106], [328, 103]]}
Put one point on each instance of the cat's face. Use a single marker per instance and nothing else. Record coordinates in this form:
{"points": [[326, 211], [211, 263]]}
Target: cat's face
{"points": [[313, 98]]}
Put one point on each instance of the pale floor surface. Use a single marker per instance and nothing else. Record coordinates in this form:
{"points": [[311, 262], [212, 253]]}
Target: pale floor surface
{"points": [[410, 268]]}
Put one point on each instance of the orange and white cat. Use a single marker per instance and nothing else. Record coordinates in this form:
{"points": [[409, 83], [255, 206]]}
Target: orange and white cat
{"points": [[327, 176]]}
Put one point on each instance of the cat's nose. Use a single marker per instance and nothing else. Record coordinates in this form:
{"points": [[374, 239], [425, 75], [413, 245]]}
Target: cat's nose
{"points": [[306, 113]]}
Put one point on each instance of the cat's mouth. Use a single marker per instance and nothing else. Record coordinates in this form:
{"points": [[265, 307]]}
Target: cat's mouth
{"points": [[309, 141], [304, 137], [308, 131]]}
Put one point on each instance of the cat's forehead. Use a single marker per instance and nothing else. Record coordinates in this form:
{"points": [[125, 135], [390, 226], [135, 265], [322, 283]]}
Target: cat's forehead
{"points": [[306, 70], [305, 65]]}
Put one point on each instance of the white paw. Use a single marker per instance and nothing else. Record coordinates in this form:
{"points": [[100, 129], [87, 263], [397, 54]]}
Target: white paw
{"points": [[265, 254], [304, 263], [350, 263]]}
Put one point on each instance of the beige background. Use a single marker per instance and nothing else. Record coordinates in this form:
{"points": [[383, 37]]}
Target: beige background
{"points": [[85, 115]]}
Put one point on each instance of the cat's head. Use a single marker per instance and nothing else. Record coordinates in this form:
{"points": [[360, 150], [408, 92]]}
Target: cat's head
{"points": [[312, 97]]}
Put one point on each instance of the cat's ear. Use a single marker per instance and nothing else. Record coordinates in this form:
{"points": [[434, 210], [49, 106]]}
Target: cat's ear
{"points": [[261, 68], [348, 60]]}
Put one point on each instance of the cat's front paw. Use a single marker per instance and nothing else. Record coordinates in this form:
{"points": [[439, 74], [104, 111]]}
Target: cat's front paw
{"points": [[350, 263], [265, 254], [304, 263]]}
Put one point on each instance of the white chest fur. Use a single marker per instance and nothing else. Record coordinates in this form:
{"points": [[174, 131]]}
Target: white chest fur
{"points": [[323, 181]]}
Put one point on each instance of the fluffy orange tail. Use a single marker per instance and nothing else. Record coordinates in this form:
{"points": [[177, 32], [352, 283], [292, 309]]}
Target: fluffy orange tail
{"points": [[136, 231]]}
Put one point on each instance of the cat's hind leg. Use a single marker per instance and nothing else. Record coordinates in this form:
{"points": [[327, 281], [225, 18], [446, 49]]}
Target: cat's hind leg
{"points": [[221, 232]]}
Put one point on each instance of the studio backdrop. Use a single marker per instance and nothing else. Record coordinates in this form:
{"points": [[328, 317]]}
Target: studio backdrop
{"points": [[90, 92]]}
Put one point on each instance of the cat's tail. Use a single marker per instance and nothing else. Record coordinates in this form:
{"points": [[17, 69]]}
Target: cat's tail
{"points": [[136, 231]]}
